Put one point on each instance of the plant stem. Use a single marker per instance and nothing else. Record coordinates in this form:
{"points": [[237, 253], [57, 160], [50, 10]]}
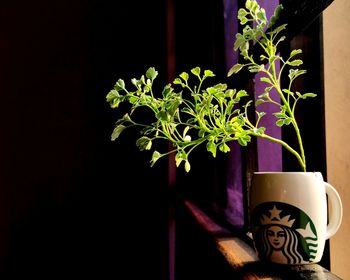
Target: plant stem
{"points": [[277, 85], [285, 145]]}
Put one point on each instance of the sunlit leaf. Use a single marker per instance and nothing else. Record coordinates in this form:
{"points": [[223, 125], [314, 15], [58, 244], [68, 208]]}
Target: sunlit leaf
{"points": [[309, 94], [144, 143], [187, 166], [235, 69], [184, 76], [211, 147], [224, 148], [155, 156], [151, 73], [116, 131], [196, 71], [296, 62]]}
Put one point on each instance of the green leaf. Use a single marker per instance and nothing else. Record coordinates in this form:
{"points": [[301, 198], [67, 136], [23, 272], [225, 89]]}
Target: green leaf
{"points": [[179, 157], [188, 110], [280, 122], [116, 131], [295, 52], [144, 143], [259, 101], [172, 107], [147, 87], [296, 62], [248, 4], [167, 90], [241, 93], [259, 131], [184, 133], [112, 95], [249, 33], [276, 15], [260, 114], [280, 115], [240, 43], [162, 115], [229, 93], [201, 133], [262, 15], [288, 92], [211, 90], [255, 6], [242, 13], [211, 147], [235, 69], [309, 94], [126, 118], [208, 73], [255, 68], [149, 145], [177, 81], [265, 95], [251, 5], [187, 166], [155, 156], [243, 20], [133, 99], [220, 87], [242, 142], [287, 121], [184, 76], [265, 80], [224, 148], [120, 85], [196, 71], [294, 73], [142, 80], [151, 73]]}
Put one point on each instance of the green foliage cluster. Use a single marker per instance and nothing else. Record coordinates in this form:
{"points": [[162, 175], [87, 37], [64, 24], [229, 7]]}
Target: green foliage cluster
{"points": [[189, 114], [186, 115]]}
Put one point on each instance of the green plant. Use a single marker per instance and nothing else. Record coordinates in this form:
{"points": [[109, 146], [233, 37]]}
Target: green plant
{"points": [[268, 41], [188, 114]]}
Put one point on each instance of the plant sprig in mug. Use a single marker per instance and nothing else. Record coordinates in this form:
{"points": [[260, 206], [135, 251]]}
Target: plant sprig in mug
{"points": [[188, 114]]}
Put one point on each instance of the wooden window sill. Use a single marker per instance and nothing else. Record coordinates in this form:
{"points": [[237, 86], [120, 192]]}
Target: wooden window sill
{"points": [[241, 255]]}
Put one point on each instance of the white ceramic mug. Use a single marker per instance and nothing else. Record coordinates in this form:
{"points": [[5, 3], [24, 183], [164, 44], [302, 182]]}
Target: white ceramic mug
{"points": [[289, 214]]}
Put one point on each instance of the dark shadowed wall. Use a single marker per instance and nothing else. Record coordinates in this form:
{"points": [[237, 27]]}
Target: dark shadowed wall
{"points": [[71, 201]]}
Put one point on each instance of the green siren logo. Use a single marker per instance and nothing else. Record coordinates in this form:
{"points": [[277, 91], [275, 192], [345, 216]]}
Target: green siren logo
{"points": [[283, 233]]}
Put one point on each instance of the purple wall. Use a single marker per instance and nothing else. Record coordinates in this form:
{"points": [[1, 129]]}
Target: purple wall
{"points": [[234, 210], [269, 153]]}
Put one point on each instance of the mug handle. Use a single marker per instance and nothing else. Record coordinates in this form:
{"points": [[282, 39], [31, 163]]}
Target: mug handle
{"points": [[336, 210]]}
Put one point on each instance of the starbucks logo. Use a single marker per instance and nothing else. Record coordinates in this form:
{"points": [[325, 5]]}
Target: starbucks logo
{"points": [[283, 233]]}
